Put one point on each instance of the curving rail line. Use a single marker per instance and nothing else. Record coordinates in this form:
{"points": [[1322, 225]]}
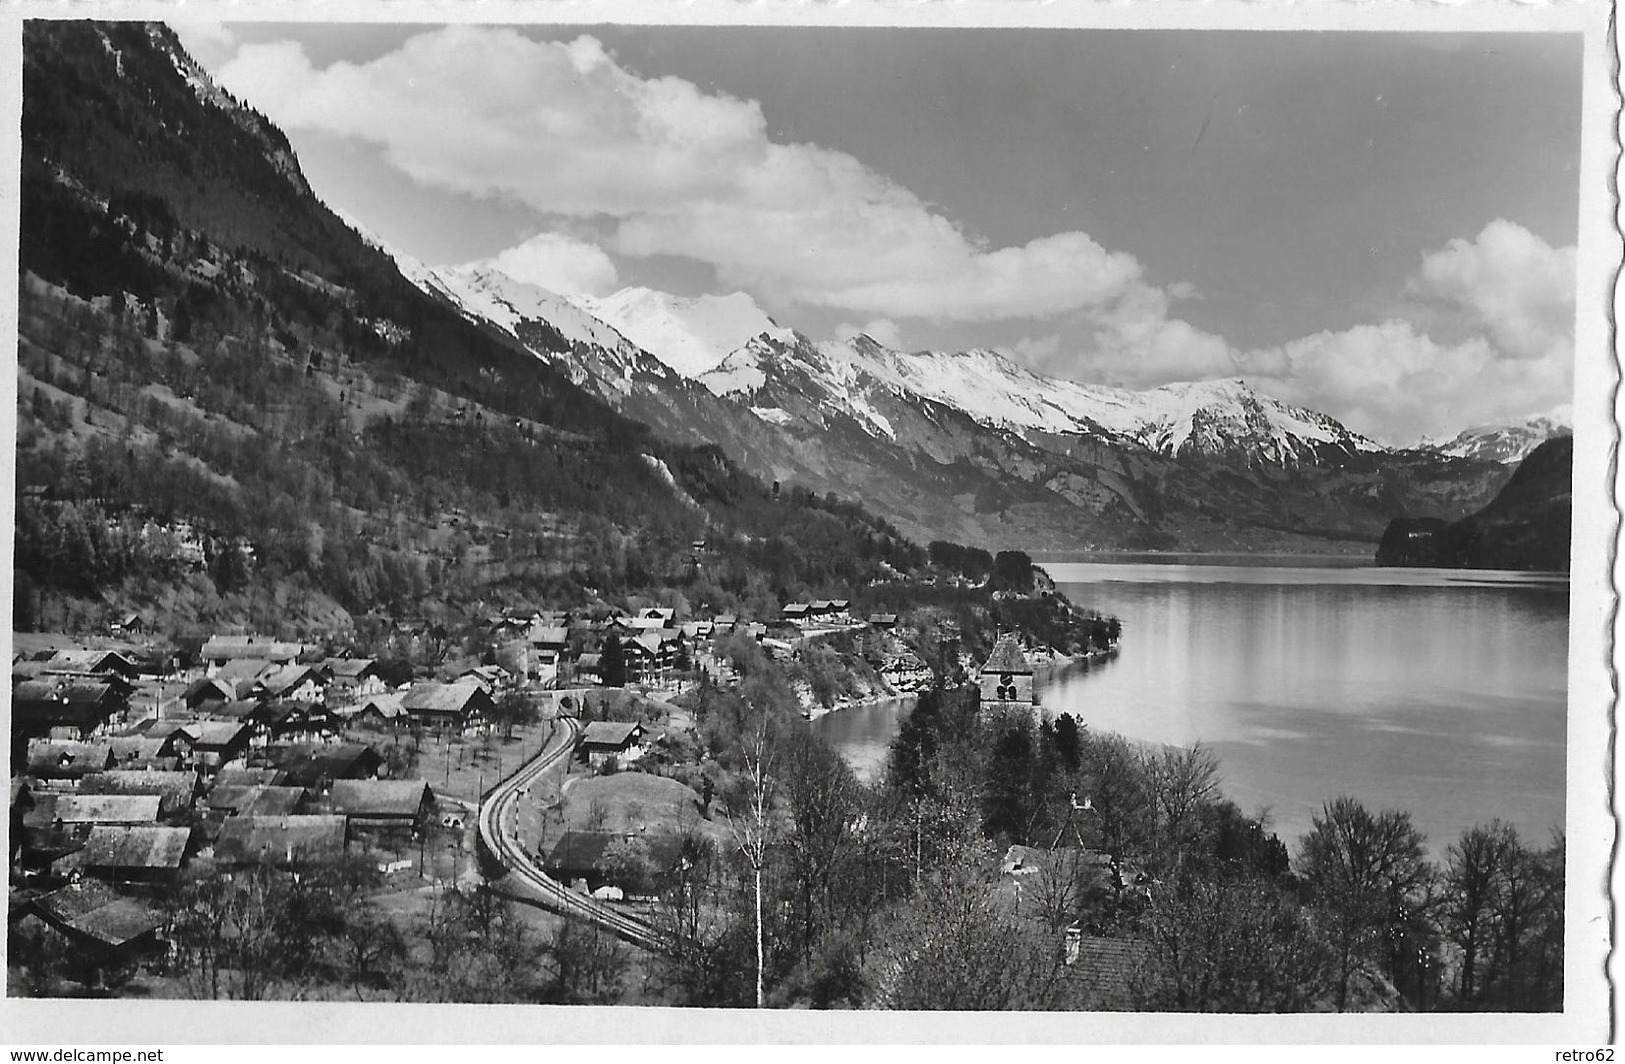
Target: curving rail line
{"points": [[523, 881]]}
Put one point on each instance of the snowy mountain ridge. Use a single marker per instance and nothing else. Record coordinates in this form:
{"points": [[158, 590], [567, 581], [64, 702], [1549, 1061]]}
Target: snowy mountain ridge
{"points": [[1507, 444], [691, 335], [859, 377]]}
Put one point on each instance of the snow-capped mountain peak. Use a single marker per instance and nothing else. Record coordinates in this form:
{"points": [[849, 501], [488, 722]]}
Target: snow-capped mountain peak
{"points": [[692, 335], [1507, 444]]}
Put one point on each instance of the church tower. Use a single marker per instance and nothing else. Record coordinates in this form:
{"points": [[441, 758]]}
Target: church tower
{"points": [[1007, 677]]}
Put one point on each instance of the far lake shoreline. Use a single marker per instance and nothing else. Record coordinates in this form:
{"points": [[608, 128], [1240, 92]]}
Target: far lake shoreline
{"points": [[1440, 692]]}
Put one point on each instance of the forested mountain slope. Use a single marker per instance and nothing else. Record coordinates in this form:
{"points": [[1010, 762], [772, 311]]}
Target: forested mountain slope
{"points": [[232, 404]]}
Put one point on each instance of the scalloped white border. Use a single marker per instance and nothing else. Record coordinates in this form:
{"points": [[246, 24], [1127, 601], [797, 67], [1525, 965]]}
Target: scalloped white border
{"points": [[1591, 999]]}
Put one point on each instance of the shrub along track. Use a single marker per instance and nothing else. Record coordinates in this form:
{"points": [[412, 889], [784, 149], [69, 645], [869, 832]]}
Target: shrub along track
{"points": [[512, 873]]}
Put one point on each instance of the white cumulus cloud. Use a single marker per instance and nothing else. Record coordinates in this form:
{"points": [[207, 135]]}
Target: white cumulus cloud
{"points": [[1518, 287], [882, 329], [561, 264], [677, 171]]}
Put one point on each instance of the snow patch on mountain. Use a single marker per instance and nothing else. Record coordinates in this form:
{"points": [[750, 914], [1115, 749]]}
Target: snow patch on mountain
{"points": [[1207, 417], [1507, 444], [692, 336], [492, 294], [773, 415], [738, 376]]}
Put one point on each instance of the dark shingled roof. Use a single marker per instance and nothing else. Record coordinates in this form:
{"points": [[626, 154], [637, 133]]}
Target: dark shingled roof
{"points": [[350, 668], [107, 808], [257, 799], [142, 847], [67, 760], [175, 788], [92, 910], [394, 799], [280, 840], [1104, 971], [441, 697], [227, 777], [1007, 657], [609, 734]]}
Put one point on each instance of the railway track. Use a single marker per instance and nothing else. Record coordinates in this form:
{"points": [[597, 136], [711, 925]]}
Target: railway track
{"points": [[526, 883]]}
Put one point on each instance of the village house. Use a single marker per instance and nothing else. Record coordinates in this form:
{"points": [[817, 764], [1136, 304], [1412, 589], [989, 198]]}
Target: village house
{"points": [[351, 680], [135, 854], [66, 763], [589, 669], [221, 649], [75, 710], [109, 931], [239, 776], [292, 683], [448, 706], [883, 622], [257, 799], [609, 741], [142, 753], [93, 663], [102, 808], [173, 740], [287, 721], [256, 715], [316, 766], [208, 689], [294, 842], [554, 637], [216, 743], [387, 808], [176, 791], [241, 675], [1100, 972], [489, 677], [377, 711]]}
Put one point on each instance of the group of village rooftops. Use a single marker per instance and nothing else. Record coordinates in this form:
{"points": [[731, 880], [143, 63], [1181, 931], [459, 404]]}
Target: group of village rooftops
{"points": [[127, 767]]}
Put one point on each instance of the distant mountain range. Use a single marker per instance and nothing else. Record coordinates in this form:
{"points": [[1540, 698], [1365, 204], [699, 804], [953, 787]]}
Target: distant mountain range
{"points": [[1507, 444], [969, 445], [965, 446]]}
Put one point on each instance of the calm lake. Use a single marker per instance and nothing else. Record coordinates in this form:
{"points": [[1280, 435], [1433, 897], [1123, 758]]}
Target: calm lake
{"points": [[1442, 692]]}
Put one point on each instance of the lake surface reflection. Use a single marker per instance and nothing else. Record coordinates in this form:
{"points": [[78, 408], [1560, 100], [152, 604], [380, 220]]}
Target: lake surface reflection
{"points": [[1442, 692]]}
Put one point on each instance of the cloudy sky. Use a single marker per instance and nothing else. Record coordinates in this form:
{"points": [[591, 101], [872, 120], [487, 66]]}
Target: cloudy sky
{"points": [[1381, 226]]}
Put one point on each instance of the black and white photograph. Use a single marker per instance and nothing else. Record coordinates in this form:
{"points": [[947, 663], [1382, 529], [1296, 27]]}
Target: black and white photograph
{"points": [[874, 515]]}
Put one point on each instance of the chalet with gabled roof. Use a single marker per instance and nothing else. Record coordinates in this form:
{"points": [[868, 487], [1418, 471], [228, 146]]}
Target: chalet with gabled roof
{"points": [[448, 706]]}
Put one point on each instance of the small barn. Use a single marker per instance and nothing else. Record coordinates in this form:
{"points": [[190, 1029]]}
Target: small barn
{"points": [[603, 741]]}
